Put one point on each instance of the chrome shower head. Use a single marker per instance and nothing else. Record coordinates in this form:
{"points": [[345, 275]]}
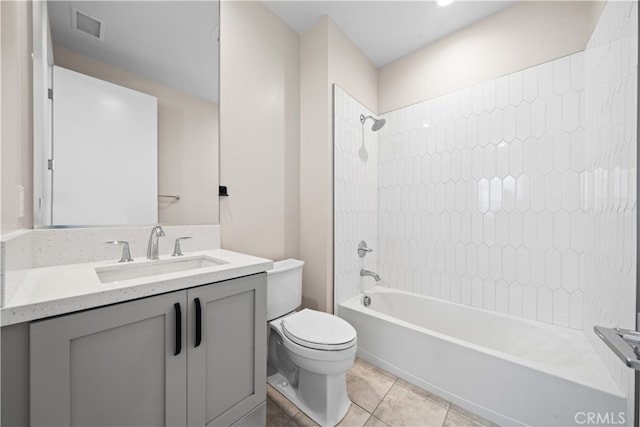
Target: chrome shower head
{"points": [[377, 123]]}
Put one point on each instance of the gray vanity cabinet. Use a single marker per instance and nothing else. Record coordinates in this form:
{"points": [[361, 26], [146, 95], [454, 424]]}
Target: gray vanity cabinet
{"points": [[231, 374], [149, 362], [110, 366]]}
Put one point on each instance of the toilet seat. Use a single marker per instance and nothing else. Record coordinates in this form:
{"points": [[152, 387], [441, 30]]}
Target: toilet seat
{"points": [[319, 331]]}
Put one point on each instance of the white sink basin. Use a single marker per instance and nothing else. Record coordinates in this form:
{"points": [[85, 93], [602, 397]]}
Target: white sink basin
{"points": [[120, 272]]}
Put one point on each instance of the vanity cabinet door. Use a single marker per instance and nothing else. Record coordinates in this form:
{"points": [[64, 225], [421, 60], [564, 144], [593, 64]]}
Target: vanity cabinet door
{"points": [[111, 366], [227, 361]]}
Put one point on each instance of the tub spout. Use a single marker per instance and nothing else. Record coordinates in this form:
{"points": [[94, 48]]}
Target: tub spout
{"points": [[364, 272]]}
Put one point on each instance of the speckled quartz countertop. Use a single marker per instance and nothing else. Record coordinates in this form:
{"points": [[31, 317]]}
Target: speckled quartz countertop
{"points": [[61, 289]]}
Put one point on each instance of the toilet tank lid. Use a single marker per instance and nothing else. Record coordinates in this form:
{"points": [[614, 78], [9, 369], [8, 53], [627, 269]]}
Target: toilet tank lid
{"points": [[319, 328], [285, 265]]}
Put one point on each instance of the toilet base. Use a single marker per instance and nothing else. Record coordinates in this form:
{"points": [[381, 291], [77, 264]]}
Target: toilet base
{"points": [[322, 397]]}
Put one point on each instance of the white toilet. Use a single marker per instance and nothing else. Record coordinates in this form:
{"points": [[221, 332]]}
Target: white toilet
{"points": [[309, 351]]}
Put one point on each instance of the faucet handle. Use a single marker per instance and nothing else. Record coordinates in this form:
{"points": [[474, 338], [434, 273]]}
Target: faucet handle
{"points": [[177, 251], [363, 249], [126, 254]]}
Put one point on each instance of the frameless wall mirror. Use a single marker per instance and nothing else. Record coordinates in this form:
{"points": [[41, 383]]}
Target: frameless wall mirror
{"points": [[125, 112]]}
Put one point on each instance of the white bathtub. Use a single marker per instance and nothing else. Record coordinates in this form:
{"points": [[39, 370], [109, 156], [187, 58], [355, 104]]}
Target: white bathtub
{"points": [[509, 370]]}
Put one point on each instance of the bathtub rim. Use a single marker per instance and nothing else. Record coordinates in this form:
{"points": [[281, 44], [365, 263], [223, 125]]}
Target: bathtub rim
{"points": [[598, 375]]}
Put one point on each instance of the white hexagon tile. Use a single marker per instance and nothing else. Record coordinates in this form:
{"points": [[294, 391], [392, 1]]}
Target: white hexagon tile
{"points": [[355, 194], [608, 190], [498, 186]]}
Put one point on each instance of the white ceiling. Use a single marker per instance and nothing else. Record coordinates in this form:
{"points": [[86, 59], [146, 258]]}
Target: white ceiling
{"points": [[170, 42], [175, 42], [387, 30]]}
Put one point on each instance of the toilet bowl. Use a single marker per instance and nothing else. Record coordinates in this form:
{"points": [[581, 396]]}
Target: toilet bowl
{"points": [[309, 351]]}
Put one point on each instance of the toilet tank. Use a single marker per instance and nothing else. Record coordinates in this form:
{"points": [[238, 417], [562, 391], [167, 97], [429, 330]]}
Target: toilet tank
{"points": [[284, 287]]}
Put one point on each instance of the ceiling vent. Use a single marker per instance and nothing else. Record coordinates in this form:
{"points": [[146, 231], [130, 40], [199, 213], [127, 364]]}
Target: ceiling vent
{"points": [[87, 24]]}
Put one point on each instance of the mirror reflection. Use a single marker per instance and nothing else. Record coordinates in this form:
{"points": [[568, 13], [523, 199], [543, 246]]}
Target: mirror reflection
{"points": [[150, 155]]}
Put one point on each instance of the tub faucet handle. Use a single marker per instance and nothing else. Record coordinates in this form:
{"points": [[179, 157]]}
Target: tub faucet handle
{"points": [[363, 249]]}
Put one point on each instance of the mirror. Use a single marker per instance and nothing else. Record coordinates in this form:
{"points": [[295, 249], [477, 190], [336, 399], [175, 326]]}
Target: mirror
{"points": [[165, 49]]}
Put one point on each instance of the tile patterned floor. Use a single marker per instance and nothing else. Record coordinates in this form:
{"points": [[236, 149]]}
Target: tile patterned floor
{"points": [[379, 399]]}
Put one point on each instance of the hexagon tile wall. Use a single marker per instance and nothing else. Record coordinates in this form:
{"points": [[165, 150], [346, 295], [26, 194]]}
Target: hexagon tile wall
{"points": [[478, 192], [355, 195], [608, 181]]}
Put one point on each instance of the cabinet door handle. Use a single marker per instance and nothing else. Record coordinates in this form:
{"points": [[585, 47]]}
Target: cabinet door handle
{"points": [[198, 322], [178, 311]]}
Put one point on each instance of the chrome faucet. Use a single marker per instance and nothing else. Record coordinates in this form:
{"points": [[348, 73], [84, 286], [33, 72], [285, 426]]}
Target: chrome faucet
{"points": [[364, 272], [126, 254], [152, 249]]}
